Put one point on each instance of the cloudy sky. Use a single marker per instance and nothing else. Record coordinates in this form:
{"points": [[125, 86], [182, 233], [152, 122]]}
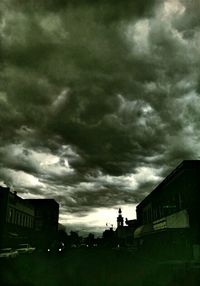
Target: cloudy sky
{"points": [[99, 101]]}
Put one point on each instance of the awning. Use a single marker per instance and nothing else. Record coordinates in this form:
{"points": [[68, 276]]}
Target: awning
{"points": [[143, 230], [175, 221]]}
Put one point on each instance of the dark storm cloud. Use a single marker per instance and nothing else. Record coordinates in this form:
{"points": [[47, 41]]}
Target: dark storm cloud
{"points": [[98, 101], [111, 10], [95, 70]]}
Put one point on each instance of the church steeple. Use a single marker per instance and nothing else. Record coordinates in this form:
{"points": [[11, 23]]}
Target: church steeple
{"points": [[120, 219]]}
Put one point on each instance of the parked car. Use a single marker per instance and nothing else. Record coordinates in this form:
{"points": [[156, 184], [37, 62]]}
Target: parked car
{"points": [[8, 253], [25, 248]]}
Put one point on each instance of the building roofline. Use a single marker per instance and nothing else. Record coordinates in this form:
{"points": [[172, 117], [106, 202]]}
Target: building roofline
{"points": [[183, 165], [4, 188], [43, 201]]}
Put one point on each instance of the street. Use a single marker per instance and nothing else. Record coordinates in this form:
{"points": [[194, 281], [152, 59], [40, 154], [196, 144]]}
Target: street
{"points": [[95, 267]]}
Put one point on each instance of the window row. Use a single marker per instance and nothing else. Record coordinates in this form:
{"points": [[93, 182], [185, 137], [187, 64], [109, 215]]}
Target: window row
{"points": [[19, 218], [164, 207]]}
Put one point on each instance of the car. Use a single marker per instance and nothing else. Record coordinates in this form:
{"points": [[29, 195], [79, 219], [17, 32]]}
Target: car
{"points": [[8, 253], [56, 247], [25, 248], [83, 245]]}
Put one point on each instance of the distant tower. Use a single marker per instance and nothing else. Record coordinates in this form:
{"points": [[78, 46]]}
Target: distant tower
{"points": [[120, 219]]}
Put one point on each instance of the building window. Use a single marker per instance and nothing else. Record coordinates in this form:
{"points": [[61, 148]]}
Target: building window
{"points": [[16, 217], [10, 215], [31, 222], [19, 219], [13, 217]]}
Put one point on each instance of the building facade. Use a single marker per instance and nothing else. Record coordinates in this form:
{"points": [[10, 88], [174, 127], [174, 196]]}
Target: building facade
{"points": [[33, 221], [16, 219], [46, 221], [168, 217]]}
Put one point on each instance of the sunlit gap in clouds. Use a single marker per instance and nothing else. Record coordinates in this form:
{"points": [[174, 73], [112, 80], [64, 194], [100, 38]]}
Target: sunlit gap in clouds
{"points": [[98, 219]]}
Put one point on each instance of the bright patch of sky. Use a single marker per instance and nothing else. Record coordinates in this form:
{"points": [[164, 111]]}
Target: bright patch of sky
{"points": [[99, 218], [22, 179]]}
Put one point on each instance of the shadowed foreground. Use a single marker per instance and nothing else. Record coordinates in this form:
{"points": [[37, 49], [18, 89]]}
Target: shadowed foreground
{"points": [[96, 267]]}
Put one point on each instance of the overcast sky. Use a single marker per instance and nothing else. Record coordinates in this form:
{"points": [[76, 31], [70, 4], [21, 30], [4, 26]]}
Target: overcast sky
{"points": [[99, 101]]}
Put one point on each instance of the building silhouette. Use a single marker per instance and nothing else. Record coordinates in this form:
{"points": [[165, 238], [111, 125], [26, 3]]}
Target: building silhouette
{"points": [[125, 233], [120, 219], [168, 217], [45, 222], [33, 221], [109, 238], [16, 219]]}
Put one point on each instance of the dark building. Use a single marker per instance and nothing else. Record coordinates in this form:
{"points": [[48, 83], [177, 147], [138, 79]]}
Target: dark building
{"points": [[33, 221], [125, 233], [46, 221], [120, 219], [16, 219], [108, 238], [168, 217]]}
